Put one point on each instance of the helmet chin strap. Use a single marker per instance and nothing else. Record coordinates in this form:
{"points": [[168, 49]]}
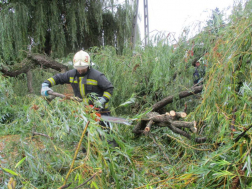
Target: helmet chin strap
{"points": [[90, 63]]}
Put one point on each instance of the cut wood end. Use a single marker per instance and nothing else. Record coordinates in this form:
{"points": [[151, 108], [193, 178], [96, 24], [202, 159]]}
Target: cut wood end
{"points": [[194, 128], [147, 129], [167, 113], [172, 113], [183, 114]]}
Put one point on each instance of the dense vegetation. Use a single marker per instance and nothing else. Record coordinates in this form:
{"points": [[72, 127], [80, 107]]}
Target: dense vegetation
{"points": [[222, 111], [60, 27]]}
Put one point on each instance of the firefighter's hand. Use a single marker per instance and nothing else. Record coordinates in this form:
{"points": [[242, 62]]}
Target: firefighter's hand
{"points": [[44, 89], [50, 97], [100, 102]]}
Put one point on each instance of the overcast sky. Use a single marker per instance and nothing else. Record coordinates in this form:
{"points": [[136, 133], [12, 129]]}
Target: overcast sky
{"points": [[173, 15]]}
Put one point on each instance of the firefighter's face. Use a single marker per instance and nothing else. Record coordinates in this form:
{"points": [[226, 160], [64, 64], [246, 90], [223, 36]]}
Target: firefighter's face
{"points": [[82, 71]]}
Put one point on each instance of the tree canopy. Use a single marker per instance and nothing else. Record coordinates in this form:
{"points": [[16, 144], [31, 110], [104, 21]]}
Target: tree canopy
{"points": [[60, 27]]}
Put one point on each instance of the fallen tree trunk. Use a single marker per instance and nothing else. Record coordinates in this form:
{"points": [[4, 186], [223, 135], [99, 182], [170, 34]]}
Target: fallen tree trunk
{"points": [[183, 94]]}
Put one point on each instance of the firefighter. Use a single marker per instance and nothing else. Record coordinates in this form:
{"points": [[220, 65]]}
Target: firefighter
{"points": [[199, 73], [84, 80]]}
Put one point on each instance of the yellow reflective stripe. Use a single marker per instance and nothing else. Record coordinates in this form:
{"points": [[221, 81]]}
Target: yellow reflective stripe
{"points": [[106, 105], [85, 100], [71, 80], [106, 94], [91, 82], [52, 81], [82, 87]]}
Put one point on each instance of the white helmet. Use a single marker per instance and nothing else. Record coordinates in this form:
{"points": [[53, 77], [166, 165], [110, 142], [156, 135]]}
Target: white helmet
{"points": [[81, 60]]}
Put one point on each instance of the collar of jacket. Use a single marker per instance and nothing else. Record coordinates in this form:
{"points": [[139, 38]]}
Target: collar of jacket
{"points": [[79, 75]]}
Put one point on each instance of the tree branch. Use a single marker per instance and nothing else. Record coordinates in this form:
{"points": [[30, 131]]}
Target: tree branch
{"points": [[30, 63], [169, 99], [47, 62]]}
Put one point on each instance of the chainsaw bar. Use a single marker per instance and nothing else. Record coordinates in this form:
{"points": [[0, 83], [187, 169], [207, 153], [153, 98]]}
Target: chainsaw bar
{"points": [[115, 120]]}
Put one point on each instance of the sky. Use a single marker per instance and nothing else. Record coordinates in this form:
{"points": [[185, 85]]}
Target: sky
{"points": [[173, 15]]}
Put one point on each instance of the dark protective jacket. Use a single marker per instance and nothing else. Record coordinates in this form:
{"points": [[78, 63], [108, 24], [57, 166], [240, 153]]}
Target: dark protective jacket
{"points": [[198, 74], [91, 82]]}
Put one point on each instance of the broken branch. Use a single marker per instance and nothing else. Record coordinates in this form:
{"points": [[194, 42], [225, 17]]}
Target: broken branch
{"points": [[183, 94], [148, 127], [41, 134]]}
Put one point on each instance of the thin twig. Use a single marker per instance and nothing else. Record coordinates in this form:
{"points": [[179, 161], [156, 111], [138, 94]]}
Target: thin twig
{"points": [[237, 37], [148, 127], [202, 129], [76, 151], [242, 134], [244, 107], [41, 134], [88, 179], [232, 126], [65, 186]]}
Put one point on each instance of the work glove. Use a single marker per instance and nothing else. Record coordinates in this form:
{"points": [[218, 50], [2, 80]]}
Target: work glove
{"points": [[44, 89], [100, 102]]}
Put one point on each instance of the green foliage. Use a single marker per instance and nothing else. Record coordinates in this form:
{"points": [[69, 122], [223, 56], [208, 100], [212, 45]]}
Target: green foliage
{"points": [[6, 93], [60, 27], [140, 80], [216, 22], [19, 83], [63, 121]]}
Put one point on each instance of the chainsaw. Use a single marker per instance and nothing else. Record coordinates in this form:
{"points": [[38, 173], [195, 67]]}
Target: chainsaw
{"points": [[103, 117]]}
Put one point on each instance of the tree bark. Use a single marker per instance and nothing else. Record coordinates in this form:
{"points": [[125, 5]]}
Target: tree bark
{"points": [[30, 63], [47, 62], [169, 99], [18, 69], [169, 120], [177, 115], [190, 125], [138, 128], [164, 120], [29, 81], [148, 127], [179, 131]]}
